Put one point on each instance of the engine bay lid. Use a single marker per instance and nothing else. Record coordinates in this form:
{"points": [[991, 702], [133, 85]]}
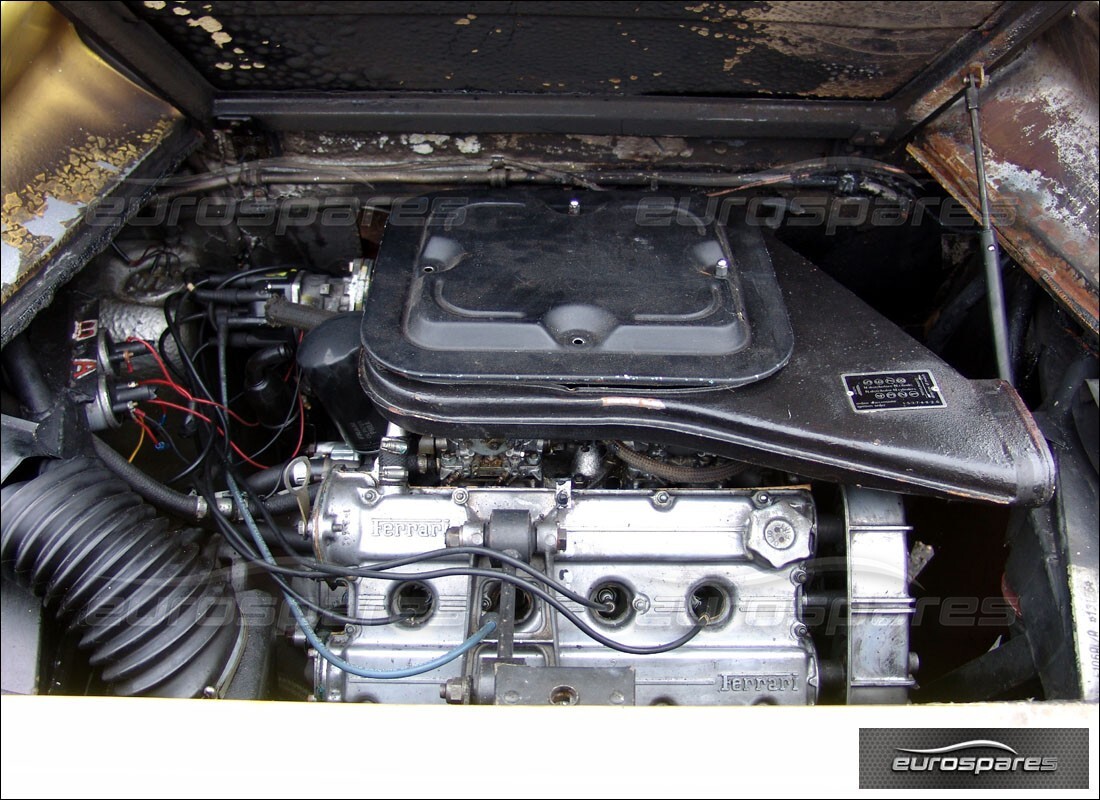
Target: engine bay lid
{"points": [[575, 288]]}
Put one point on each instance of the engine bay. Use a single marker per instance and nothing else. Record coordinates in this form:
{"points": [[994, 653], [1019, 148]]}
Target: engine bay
{"points": [[520, 447], [539, 356], [455, 379]]}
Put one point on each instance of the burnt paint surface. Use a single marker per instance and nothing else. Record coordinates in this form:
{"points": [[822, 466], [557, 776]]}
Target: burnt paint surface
{"points": [[73, 129], [1040, 127], [851, 50]]}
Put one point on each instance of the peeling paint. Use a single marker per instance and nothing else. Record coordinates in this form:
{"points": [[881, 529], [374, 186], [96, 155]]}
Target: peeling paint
{"points": [[74, 128], [55, 218], [908, 33], [424, 144], [839, 49], [1040, 127], [214, 28], [36, 216], [468, 145], [578, 152]]}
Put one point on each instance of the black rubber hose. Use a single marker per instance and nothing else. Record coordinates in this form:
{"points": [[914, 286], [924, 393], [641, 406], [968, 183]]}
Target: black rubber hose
{"points": [[187, 506], [285, 503], [284, 314], [231, 296], [26, 379], [190, 507], [672, 472], [269, 480], [266, 480], [150, 610], [267, 395], [260, 362]]}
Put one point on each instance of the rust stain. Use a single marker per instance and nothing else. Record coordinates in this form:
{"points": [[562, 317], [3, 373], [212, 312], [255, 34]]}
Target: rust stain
{"points": [[73, 129], [85, 173], [863, 49], [949, 165], [994, 47], [1040, 127]]}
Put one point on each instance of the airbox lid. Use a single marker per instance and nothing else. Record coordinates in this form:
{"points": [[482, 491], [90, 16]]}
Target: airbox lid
{"points": [[583, 288]]}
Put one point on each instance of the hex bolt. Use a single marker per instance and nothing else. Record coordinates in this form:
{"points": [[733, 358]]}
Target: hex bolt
{"points": [[460, 496], [762, 498], [511, 697], [574, 206], [641, 603], [370, 496], [456, 691], [800, 630], [722, 268]]}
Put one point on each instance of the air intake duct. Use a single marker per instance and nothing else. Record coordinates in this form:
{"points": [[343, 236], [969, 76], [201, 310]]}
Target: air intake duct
{"points": [[150, 610]]}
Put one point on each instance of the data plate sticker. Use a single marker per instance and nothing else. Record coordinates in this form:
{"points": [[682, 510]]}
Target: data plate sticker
{"points": [[893, 391]]}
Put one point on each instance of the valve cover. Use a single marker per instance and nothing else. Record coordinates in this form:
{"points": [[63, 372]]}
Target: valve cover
{"points": [[592, 288]]}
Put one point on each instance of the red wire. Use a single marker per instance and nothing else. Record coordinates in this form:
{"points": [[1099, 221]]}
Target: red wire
{"points": [[140, 259], [179, 389], [301, 426], [153, 352], [137, 415], [290, 369], [246, 457], [184, 409], [209, 421], [186, 394]]}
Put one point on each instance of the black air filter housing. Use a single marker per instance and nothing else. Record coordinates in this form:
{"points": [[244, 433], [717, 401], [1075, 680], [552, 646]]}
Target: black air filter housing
{"points": [[463, 339], [578, 289]]}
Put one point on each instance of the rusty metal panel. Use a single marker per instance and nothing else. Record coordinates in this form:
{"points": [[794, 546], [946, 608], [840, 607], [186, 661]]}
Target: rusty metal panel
{"points": [[837, 50], [73, 130], [994, 42], [1040, 134]]}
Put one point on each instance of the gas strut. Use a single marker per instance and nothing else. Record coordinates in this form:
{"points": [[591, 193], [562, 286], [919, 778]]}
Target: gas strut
{"points": [[994, 287]]}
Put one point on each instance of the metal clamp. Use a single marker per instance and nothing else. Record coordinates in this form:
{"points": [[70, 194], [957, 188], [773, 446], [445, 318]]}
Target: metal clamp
{"points": [[296, 479]]}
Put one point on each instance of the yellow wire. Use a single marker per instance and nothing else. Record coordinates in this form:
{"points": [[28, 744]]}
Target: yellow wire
{"points": [[141, 441]]}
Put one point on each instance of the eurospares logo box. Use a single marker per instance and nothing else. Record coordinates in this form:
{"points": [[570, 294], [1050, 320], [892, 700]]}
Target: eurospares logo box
{"points": [[973, 758]]}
